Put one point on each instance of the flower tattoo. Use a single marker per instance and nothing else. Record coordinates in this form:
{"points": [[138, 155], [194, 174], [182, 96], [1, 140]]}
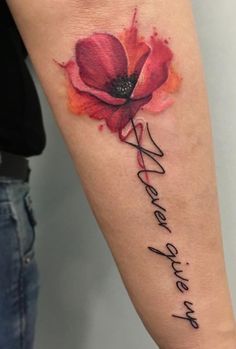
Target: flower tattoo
{"points": [[112, 77]]}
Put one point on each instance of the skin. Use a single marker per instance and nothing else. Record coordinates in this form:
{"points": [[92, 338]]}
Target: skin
{"points": [[108, 168]]}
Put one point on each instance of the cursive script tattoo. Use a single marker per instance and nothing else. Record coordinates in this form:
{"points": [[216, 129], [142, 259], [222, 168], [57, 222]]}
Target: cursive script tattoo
{"points": [[171, 254], [182, 282], [188, 315], [176, 265], [153, 155]]}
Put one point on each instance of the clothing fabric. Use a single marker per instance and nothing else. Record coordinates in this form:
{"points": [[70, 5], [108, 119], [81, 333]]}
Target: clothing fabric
{"points": [[19, 278], [21, 127], [21, 133]]}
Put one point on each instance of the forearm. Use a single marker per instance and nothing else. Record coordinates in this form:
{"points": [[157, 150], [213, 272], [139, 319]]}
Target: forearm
{"points": [[159, 207]]}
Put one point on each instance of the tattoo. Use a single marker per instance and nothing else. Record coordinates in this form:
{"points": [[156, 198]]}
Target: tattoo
{"points": [[172, 253], [143, 175], [182, 283], [112, 78], [188, 315]]}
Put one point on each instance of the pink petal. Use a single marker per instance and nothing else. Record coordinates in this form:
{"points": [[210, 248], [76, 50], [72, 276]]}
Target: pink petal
{"points": [[155, 70], [82, 103], [101, 58], [116, 117], [120, 118], [136, 49], [159, 102], [100, 110], [74, 76]]}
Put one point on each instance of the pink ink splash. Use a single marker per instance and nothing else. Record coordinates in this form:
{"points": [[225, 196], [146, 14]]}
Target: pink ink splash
{"points": [[112, 77]]}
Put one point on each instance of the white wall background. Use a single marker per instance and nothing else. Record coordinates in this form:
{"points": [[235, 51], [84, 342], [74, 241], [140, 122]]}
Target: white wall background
{"points": [[83, 304]]}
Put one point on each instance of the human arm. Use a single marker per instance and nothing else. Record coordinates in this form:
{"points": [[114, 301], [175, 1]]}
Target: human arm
{"points": [[108, 168]]}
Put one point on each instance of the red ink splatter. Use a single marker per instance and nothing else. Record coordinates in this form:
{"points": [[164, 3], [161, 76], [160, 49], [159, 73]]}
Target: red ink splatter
{"points": [[115, 87]]}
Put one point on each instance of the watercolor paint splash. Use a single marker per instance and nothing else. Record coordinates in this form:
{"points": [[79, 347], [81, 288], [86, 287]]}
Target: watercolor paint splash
{"points": [[112, 77]]}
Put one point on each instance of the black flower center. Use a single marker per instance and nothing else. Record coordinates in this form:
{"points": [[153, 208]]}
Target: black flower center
{"points": [[122, 86]]}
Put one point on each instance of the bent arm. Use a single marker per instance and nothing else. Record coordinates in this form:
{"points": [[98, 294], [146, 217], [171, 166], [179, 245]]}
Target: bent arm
{"points": [[144, 155]]}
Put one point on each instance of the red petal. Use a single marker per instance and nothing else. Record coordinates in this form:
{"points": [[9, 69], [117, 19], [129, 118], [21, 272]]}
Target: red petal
{"points": [[155, 69], [101, 58], [116, 117], [136, 49], [120, 118], [74, 76], [83, 103]]}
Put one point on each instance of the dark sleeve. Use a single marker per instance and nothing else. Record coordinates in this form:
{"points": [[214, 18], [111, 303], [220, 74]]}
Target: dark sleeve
{"points": [[21, 127]]}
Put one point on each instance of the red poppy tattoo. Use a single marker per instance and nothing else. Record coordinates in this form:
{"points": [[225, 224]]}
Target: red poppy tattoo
{"points": [[112, 77]]}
